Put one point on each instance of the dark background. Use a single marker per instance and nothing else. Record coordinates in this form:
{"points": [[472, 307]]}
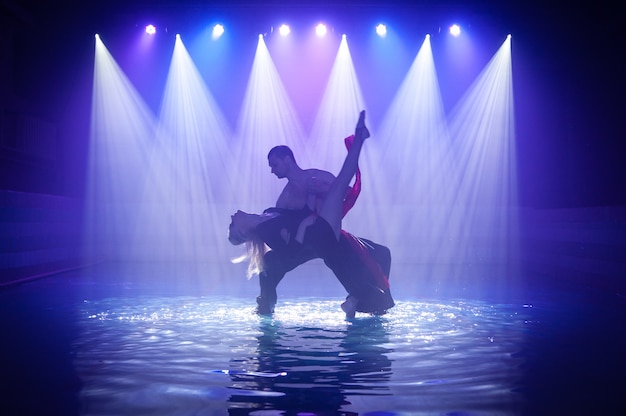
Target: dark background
{"points": [[569, 67], [567, 60]]}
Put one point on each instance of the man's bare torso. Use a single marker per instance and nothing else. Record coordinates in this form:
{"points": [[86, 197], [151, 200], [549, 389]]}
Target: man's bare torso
{"points": [[309, 188]]}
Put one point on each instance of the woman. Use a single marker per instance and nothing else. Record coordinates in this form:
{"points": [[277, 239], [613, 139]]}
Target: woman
{"points": [[360, 265]]}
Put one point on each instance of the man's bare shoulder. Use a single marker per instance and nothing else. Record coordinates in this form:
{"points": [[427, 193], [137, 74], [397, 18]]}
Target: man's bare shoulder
{"points": [[320, 174]]}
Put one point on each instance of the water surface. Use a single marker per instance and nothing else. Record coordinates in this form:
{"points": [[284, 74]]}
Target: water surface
{"points": [[75, 345], [187, 355]]}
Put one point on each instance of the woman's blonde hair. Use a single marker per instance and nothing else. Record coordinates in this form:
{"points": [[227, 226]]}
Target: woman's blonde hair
{"points": [[255, 250]]}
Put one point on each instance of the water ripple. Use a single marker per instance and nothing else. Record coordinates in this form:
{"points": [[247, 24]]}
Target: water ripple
{"points": [[188, 355]]}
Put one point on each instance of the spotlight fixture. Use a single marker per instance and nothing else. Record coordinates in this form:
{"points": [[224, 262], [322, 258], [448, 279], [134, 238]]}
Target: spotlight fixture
{"points": [[150, 29], [381, 30], [455, 30], [284, 30], [320, 30], [218, 30]]}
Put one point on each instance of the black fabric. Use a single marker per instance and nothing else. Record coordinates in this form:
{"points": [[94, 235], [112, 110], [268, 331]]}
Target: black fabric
{"points": [[279, 232], [349, 267], [276, 265], [340, 256], [285, 254]]}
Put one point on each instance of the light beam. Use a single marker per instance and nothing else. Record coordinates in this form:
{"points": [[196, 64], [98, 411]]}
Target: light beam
{"points": [[482, 224], [338, 112], [267, 119], [121, 136]]}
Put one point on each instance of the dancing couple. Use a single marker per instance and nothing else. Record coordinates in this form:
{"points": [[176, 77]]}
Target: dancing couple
{"points": [[307, 224]]}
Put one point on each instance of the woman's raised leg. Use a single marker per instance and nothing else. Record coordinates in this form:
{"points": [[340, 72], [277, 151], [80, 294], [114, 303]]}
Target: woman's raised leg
{"points": [[332, 208]]}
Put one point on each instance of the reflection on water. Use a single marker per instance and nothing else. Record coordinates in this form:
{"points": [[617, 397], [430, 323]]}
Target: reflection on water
{"points": [[314, 369], [205, 356]]}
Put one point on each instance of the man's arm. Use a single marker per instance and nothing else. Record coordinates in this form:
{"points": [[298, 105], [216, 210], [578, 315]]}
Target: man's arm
{"points": [[319, 181], [318, 185]]}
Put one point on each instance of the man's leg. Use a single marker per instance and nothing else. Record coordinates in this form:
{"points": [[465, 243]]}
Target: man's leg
{"points": [[276, 265]]}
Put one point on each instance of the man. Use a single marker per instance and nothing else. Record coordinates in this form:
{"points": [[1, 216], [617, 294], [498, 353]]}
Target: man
{"points": [[304, 192], [305, 187]]}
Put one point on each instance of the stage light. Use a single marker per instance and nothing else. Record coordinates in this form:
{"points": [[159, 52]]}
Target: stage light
{"points": [[455, 30], [381, 30], [150, 29], [284, 30], [320, 30], [218, 30]]}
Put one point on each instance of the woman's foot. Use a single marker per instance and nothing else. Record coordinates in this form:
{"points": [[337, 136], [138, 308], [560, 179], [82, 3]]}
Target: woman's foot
{"points": [[360, 130]]}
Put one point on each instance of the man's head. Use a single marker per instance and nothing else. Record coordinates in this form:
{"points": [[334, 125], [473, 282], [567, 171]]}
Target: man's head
{"points": [[281, 160]]}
